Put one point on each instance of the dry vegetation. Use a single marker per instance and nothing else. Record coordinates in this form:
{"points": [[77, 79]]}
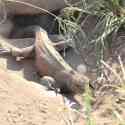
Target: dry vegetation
{"points": [[97, 30]]}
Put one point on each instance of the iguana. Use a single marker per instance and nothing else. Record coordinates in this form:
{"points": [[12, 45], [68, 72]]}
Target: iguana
{"points": [[50, 63]]}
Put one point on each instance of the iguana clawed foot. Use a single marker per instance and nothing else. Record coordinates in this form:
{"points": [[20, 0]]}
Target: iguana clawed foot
{"points": [[18, 52], [9, 51], [4, 51]]}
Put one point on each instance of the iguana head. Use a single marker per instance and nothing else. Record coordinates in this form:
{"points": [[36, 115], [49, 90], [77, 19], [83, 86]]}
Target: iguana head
{"points": [[72, 81], [78, 82]]}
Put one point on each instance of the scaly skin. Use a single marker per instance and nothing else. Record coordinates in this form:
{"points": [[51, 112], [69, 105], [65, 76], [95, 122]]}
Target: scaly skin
{"points": [[50, 63]]}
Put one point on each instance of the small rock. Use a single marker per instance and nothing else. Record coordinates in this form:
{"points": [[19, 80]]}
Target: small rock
{"points": [[82, 68]]}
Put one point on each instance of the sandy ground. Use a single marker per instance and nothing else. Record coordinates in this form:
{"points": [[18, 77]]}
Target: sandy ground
{"points": [[25, 102]]}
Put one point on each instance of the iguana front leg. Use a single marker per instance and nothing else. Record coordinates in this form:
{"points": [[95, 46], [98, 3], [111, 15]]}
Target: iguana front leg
{"points": [[21, 53], [18, 53]]}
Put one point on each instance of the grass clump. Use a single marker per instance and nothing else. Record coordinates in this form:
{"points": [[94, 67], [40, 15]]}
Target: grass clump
{"points": [[110, 17], [88, 99]]}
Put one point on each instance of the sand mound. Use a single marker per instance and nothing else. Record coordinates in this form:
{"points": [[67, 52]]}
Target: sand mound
{"points": [[27, 103]]}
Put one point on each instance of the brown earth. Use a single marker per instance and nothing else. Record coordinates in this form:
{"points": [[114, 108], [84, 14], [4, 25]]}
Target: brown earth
{"points": [[27, 103]]}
